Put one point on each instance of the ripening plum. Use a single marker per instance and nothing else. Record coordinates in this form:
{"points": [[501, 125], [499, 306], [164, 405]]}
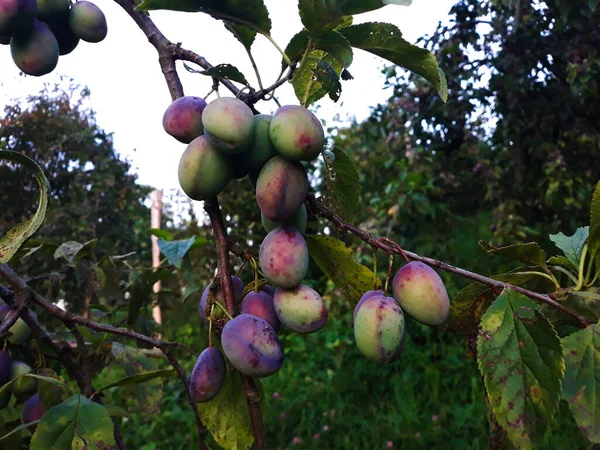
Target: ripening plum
{"points": [[261, 148], [421, 293], [88, 21], [296, 133], [37, 53], [283, 257], [301, 309], [23, 386], [17, 17], [268, 289], [367, 295], [298, 220], [281, 188], [238, 290], [203, 171], [208, 375], [260, 304], [379, 329], [67, 40], [53, 11], [33, 410], [183, 118], [251, 345], [5, 363], [228, 124]]}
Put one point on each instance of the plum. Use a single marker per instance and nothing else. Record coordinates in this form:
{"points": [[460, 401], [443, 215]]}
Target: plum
{"points": [[301, 309], [379, 329], [268, 289], [208, 375], [67, 40], [283, 257], [261, 149], [53, 11], [421, 293], [5, 363], [33, 410], [88, 21], [23, 386], [37, 53], [238, 290], [260, 304], [365, 296], [21, 332], [281, 188], [296, 133], [298, 220], [251, 345], [183, 118], [228, 124], [17, 17], [203, 171]]}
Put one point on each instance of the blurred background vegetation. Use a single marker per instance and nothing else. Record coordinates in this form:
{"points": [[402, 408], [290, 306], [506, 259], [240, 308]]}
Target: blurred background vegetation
{"points": [[511, 157]]}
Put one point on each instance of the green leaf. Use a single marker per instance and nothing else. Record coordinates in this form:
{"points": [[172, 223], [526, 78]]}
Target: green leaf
{"points": [[529, 253], [19, 428], [138, 378], [307, 89], [586, 303], [336, 45], [581, 386], [226, 416], [563, 261], [572, 246], [337, 262], [343, 191], [16, 237], [226, 72], [520, 358], [87, 249], [76, 423], [385, 40], [68, 250], [116, 411], [594, 240], [162, 234], [326, 75], [242, 33], [176, 250], [140, 288], [296, 47]]}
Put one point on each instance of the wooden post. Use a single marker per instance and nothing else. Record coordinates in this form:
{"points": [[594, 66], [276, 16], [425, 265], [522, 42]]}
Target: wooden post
{"points": [[156, 219]]}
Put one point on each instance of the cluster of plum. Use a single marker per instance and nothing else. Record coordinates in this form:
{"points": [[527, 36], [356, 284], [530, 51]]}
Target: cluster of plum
{"points": [[23, 388], [39, 31]]}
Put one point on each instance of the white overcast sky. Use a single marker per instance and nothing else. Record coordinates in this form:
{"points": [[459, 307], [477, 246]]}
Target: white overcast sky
{"points": [[129, 93]]}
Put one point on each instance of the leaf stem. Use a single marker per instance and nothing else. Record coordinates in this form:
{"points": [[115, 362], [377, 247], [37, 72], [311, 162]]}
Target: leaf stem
{"points": [[283, 55], [581, 268], [566, 272], [545, 275]]}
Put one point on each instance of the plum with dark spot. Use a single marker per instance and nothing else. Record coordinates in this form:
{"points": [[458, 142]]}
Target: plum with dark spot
{"points": [[5, 363], [260, 304], [183, 118], [203, 171], [283, 257], [88, 21], [281, 188], [298, 220], [421, 293], [379, 329], [252, 346], [37, 53], [238, 290], [17, 17], [301, 309], [296, 133], [367, 295], [207, 375], [23, 386], [228, 124], [33, 410]]}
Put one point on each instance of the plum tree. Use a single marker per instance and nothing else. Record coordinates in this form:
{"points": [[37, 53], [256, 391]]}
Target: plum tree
{"points": [[260, 304], [17, 17], [252, 346], [281, 188], [183, 118], [238, 290], [25, 385], [421, 293], [283, 257], [301, 309], [53, 11], [36, 53], [298, 220], [33, 410], [379, 329], [5, 363], [88, 21], [228, 124], [203, 171], [296, 133], [207, 375], [367, 295]]}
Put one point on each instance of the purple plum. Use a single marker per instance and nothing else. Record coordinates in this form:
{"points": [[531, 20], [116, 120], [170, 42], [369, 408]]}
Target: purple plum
{"points": [[283, 257], [208, 375], [183, 118], [296, 133], [260, 304], [238, 290], [365, 296], [33, 410]]}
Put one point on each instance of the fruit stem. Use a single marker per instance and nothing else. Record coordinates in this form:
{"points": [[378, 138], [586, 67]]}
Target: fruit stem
{"points": [[223, 309], [389, 274], [210, 321], [375, 266]]}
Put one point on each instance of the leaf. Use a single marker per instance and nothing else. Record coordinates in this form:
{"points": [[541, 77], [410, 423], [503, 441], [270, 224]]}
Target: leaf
{"points": [[76, 423], [336, 45], [226, 72], [337, 262], [581, 386], [138, 378], [86, 249], [16, 237], [594, 240], [385, 40], [562, 261], [226, 416], [19, 428], [242, 33], [68, 250], [140, 289], [572, 246], [326, 75], [529, 253], [116, 411], [586, 303], [520, 358], [165, 235], [307, 89], [176, 250], [343, 192], [296, 47]]}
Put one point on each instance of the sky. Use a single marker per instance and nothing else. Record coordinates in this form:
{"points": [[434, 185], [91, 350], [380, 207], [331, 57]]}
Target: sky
{"points": [[129, 93]]}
